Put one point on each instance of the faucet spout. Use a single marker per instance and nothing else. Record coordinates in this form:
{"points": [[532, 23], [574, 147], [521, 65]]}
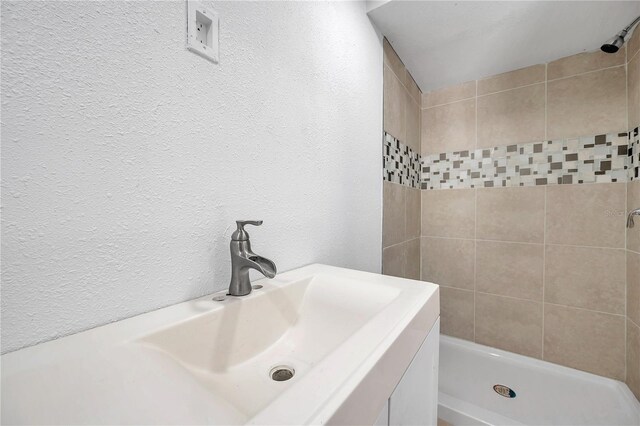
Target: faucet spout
{"points": [[630, 222], [263, 265], [244, 259]]}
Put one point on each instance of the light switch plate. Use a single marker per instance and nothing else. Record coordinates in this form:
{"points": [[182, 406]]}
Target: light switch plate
{"points": [[202, 30]]}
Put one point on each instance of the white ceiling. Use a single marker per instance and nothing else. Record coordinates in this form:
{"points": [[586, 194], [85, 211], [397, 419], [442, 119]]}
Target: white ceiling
{"points": [[448, 42]]}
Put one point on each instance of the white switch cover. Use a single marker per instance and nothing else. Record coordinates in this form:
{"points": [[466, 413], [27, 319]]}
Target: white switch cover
{"points": [[202, 30]]}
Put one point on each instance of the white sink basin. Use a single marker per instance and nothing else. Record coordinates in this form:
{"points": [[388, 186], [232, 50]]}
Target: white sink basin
{"points": [[231, 351], [348, 336]]}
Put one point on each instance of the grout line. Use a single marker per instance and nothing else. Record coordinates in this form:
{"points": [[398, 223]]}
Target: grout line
{"points": [[420, 237], [527, 243], [626, 88], [475, 255], [449, 103], [510, 297], [626, 46], [587, 72], [626, 249], [475, 224], [513, 88], [546, 97], [392, 245], [449, 238], [538, 301], [456, 288], [403, 85], [381, 175], [548, 303], [484, 94], [404, 193], [585, 309], [476, 118], [544, 264], [400, 243], [579, 246], [633, 57]]}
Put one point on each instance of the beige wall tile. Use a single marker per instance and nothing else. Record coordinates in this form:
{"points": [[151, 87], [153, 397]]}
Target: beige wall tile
{"points": [[512, 116], [449, 213], [633, 286], [585, 277], [412, 124], [633, 45], [511, 324], [414, 90], [394, 105], [413, 213], [392, 59], [448, 262], [587, 104], [511, 214], [449, 128], [633, 202], [412, 253], [583, 62], [512, 79], [586, 340], [456, 312], [393, 214], [633, 358], [449, 94], [510, 269], [586, 215], [402, 260], [394, 260], [633, 92]]}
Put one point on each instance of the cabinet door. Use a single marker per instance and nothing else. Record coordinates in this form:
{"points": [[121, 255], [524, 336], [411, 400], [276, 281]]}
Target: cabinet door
{"points": [[415, 399], [383, 418]]}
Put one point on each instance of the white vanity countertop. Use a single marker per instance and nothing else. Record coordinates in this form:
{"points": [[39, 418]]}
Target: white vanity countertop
{"points": [[349, 334]]}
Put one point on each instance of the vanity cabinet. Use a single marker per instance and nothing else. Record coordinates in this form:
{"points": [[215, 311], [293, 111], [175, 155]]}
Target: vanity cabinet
{"points": [[415, 400], [383, 417]]}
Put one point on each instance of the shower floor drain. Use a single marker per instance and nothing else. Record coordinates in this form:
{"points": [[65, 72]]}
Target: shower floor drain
{"points": [[282, 373]]}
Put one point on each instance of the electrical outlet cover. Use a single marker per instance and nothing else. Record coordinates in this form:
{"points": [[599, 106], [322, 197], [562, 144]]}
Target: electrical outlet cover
{"points": [[202, 30]]}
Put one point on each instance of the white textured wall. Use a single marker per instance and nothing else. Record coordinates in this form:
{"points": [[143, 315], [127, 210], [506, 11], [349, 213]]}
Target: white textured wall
{"points": [[126, 158]]}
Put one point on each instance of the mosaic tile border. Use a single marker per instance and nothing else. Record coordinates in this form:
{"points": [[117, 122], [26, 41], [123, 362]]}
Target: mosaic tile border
{"points": [[400, 164], [613, 157], [634, 154]]}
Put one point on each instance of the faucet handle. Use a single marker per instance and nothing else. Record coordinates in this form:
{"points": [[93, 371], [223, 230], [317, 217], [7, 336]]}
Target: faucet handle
{"points": [[240, 234], [242, 223]]}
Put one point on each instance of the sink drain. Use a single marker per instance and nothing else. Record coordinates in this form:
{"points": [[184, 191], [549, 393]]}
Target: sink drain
{"points": [[282, 373], [505, 391]]}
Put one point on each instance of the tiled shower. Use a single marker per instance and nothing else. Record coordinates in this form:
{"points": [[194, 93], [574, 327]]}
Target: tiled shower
{"points": [[525, 181]]}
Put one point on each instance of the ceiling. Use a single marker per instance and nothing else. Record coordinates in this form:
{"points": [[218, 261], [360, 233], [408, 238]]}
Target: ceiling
{"points": [[449, 42]]}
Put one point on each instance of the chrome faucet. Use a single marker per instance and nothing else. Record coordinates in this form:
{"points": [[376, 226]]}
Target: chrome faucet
{"points": [[243, 259], [633, 213]]}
